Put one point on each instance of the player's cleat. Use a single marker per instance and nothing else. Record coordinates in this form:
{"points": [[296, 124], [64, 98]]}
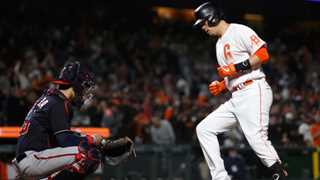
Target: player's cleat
{"points": [[278, 171]]}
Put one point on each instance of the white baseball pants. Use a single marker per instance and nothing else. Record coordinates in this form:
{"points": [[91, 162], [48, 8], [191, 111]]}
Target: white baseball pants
{"points": [[248, 107]]}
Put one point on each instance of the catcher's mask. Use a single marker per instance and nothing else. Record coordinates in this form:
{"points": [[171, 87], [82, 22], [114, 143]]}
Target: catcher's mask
{"points": [[78, 77]]}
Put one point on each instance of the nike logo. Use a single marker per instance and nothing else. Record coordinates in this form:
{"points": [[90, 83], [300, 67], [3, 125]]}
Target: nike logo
{"points": [[226, 69], [275, 176]]}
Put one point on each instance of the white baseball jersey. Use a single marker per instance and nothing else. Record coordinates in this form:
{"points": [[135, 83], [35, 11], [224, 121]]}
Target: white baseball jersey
{"points": [[248, 106], [236, 45]]}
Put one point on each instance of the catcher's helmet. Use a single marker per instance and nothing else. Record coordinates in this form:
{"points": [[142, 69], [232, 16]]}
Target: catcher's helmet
{"points": [[78, 77], [207, 12]]}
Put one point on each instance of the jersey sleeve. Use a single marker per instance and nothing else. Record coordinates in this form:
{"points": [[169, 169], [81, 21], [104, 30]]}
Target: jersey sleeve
{"points": [[250, 40], [59, 119], [69, 138]]}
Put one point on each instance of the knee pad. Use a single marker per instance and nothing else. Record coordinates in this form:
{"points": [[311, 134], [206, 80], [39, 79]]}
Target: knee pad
{"points": [[88, 159]]}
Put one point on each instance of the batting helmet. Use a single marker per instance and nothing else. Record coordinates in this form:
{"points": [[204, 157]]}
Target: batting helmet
{"points": [[207, 12], [78, 77]]}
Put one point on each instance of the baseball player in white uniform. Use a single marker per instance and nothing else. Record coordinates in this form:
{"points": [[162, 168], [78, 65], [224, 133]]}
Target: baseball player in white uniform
{"points": [[240, 54]]}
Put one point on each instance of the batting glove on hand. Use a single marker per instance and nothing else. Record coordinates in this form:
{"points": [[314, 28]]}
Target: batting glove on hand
{"points": [[216, 87], [227, 71]]}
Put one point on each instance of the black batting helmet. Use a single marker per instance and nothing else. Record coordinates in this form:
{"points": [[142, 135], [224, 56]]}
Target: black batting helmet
{"points": [[78, 77], [207, 12]]}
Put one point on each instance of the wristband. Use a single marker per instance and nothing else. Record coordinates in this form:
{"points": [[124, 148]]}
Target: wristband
{"points": [[243, 66]]}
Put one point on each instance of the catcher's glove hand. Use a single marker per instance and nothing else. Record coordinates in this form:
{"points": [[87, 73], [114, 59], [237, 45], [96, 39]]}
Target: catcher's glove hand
{"points": [[117, 151]]}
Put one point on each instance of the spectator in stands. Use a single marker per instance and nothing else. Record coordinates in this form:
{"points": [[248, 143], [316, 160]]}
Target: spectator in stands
{"points": [[110, 118], [153, 65], [315, 133], [235, 165], [161, 132], [304, 130]]}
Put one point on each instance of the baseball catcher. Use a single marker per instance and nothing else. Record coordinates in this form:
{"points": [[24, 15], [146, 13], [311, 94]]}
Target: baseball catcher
{"points": [[47, 148]]}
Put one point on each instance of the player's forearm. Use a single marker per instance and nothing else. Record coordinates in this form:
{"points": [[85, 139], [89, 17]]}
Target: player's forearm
{"points": [[254, 62]]}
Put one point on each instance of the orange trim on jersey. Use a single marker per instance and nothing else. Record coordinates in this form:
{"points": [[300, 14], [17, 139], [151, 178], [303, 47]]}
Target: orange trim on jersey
{"points": [[262, 54]]}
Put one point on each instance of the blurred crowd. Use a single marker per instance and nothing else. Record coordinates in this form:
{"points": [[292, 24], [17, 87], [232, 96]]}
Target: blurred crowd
{"points": [[152, 81]]}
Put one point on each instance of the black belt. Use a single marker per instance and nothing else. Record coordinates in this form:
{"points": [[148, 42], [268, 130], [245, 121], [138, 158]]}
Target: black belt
{"points": [[20, 157]]}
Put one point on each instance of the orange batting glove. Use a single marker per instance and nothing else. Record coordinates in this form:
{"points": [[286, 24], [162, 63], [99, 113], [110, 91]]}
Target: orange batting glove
{"points": [[227, 71], [216, 87]]}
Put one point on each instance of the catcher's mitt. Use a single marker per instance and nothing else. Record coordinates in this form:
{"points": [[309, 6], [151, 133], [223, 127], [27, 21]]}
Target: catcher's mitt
{"points": [[117, 151]]}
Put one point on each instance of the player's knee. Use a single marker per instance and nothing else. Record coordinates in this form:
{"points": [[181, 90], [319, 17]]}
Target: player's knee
{"points": [[32, 170], [204, 128], [201, 128], [88, 162]]}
